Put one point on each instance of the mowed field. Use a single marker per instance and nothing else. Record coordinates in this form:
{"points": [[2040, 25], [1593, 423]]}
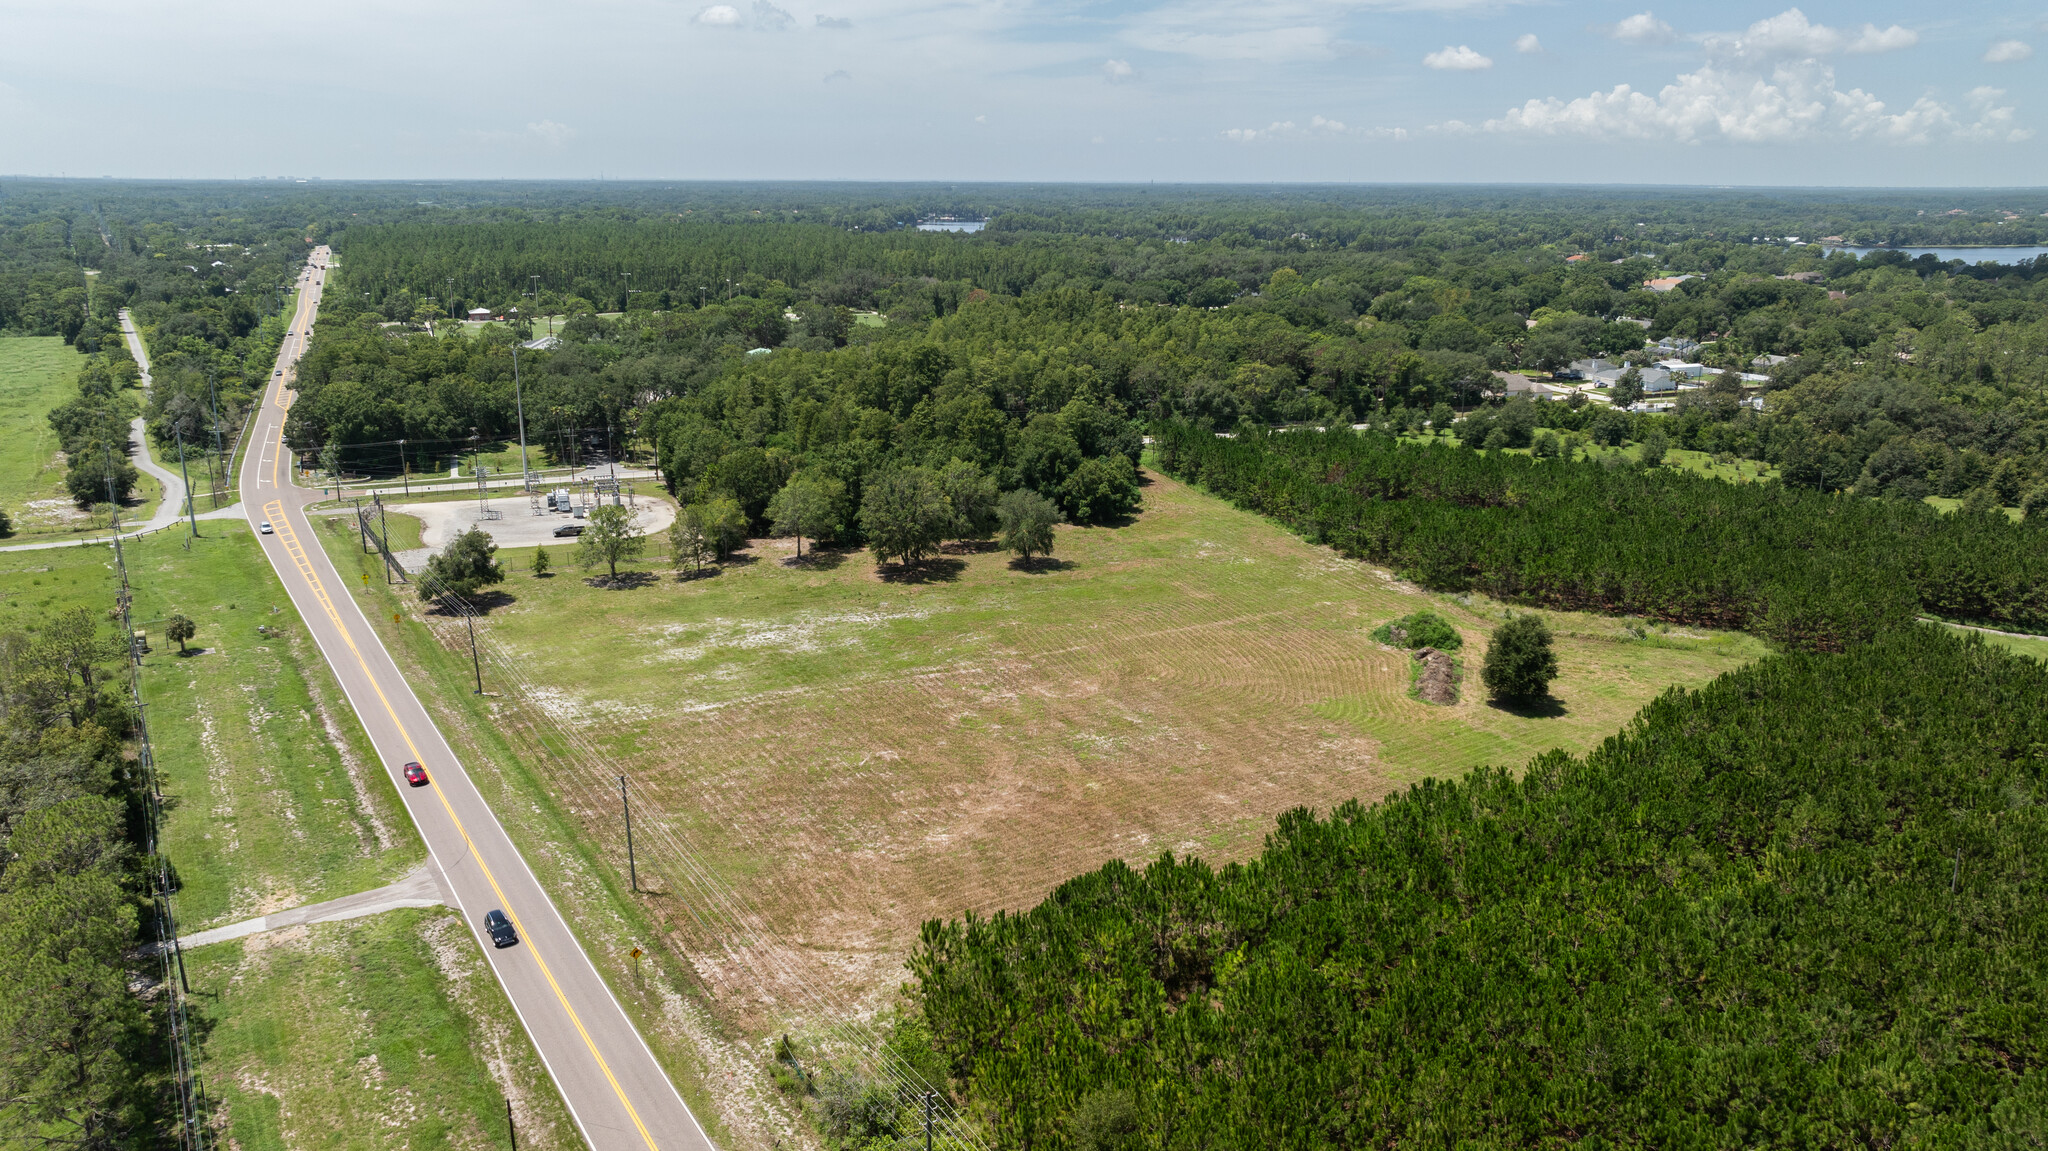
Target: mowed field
{"points": [[36, 374], [854, 755]]}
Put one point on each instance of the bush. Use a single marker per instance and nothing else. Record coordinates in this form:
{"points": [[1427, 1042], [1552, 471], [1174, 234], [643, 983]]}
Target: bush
{"points": [[1422, 629], [467, 566], [1519, 663]]}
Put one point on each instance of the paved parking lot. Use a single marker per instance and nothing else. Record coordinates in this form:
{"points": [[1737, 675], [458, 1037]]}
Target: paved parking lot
{"points": [[516, 527]]}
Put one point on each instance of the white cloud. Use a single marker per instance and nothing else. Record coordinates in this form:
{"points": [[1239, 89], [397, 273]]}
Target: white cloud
{"points": [[1319, 124], [769, 18], [1874, 39], [1643, 28], [720, 16], [1527, 42], [1396, 134], [552, 134], [839, 77], [1797, 101], [1247, 135], [2008, 52], [1790, 35], [1458, 59], [1118, 71], [836, 23]]}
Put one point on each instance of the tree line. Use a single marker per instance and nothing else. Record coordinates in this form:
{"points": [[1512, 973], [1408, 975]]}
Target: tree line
{"points": [[1802, 568], [81, 1056], [1791, 906]]}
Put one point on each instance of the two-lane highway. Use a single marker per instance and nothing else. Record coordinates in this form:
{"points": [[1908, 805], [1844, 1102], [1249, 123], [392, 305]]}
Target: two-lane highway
{"points": [[615, 1088]]}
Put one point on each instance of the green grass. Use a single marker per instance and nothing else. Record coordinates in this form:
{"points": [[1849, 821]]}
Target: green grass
{"points": [[1947, 504], [36, 374], [274, 799], [371, 1033], [1736, 470], [856, 755], [2033, 646]]}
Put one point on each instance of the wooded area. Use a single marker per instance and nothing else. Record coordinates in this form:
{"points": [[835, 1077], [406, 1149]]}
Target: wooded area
{"points": [[1792, 907]]}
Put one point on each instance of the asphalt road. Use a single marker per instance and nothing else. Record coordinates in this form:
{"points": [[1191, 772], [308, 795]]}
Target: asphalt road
{"points": [[614, 1087]]}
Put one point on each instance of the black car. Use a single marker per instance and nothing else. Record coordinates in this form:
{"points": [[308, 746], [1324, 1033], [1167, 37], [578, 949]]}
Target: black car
{"points": [[569, 530], [500, 929]]}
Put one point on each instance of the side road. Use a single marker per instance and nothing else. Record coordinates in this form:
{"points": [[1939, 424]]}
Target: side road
{"points": [[173, 504]]}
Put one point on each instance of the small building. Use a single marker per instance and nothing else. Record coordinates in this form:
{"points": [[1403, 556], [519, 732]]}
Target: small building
{"points": [[1666, 283], [1684, 369], [479, 315]]}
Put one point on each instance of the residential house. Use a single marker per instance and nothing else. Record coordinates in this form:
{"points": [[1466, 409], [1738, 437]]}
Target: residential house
{"points": [[1666, 283]]}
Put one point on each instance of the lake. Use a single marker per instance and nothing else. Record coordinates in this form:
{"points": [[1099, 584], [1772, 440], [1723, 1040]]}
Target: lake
{"points": [[953, 226], [1966, 255]]}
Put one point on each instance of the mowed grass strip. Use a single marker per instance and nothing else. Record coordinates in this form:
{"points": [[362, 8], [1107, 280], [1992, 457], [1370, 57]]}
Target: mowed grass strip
{"points": [[382, 1032], [857, 754], [280, 800]]}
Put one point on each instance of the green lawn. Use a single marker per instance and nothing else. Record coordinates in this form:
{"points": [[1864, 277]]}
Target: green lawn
{"points": [[385, 1032], [36, 374], [2034, 646], [855, 755]]}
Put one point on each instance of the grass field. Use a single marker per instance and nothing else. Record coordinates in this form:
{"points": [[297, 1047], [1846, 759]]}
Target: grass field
{"points": [[854, 755], [385, 1032], [36, 374]]}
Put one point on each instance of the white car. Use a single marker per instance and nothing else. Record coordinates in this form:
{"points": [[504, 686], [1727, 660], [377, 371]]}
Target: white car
{"points": [[264, 527]]}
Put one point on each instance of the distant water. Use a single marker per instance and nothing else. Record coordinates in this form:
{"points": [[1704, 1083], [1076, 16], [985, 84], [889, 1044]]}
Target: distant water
{"points": [[953, 226], [1966, 255]]}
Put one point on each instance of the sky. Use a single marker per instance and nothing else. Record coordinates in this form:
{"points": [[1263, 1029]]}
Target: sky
{"points": [[1733, 92]]}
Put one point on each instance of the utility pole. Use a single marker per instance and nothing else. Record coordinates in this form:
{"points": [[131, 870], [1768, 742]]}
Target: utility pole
{"points": [[213, 409], [406, 466], [929, 1098], [192, 516], [511, 1132], [473, 660], [632, 870]]}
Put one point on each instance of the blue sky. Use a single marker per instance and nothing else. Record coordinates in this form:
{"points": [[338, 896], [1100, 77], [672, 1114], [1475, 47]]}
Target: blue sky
{"points": [[1173, 90]]}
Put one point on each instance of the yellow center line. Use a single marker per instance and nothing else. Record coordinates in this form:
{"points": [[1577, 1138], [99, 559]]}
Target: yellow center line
{"points": [[274, 512]]}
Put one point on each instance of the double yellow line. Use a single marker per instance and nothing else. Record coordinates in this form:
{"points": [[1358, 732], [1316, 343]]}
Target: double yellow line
{"points": [[274, 512]]}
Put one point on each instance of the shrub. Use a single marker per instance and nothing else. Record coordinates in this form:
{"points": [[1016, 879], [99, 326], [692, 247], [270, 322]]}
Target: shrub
{"points": [[1421, 629]]}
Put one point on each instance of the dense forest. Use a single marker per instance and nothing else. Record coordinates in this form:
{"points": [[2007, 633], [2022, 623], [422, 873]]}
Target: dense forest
{"points": [[1798, 906], [1886, 374]]}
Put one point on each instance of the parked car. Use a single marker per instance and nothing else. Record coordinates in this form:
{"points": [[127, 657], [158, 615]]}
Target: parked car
{"points": [[500, 929], [569, 530], [415, 775]]}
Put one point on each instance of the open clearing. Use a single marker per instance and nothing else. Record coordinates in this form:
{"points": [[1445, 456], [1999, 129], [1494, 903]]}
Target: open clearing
{"points": [[36, 374], [856, 755]]}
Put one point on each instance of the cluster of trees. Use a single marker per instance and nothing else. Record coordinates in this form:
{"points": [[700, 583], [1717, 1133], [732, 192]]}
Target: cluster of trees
{"points": [[79, 1054], [1792, 906], [93, 427], [1799, 567]]}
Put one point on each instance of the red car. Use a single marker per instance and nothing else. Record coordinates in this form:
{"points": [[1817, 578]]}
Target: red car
{"points": [[415, 775]]}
